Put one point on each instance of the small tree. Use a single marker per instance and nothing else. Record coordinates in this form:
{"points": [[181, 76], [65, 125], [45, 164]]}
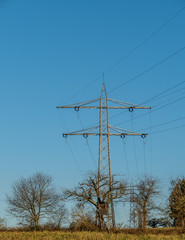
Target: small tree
{"points": [[177, 202], [32, 198], [94, 192], [83, 219], [159, 222], [143, 199], [57, 217], [2, 223]]}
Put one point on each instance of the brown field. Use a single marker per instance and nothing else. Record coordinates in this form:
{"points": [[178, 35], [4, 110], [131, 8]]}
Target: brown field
{"points": [[57, 235]]}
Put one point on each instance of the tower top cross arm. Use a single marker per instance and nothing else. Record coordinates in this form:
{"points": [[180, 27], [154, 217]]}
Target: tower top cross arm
{"points": [[87, 105]]}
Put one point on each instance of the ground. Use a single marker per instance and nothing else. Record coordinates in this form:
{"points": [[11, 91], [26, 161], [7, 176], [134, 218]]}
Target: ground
{"points": [[66, 235]]}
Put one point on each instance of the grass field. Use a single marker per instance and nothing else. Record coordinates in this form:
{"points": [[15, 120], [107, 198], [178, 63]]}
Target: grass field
{"points": [[45, 235]]}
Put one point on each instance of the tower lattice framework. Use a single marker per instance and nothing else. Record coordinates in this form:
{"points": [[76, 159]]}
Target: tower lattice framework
{"points": [[104, 130], [104, 162]]}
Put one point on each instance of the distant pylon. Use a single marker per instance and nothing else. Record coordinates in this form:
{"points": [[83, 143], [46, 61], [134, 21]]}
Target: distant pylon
{"points": [[105, 131]]}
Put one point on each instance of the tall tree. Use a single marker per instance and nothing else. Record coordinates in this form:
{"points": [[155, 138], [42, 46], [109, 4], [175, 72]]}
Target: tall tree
{"points": [[177, 202], [142, 198], [32, 199], [91, 191]]}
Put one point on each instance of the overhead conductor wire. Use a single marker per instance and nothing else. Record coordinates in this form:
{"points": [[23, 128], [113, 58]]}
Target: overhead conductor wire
{"points": [[148, 69], [72, 153], [164, 123], [133, 50], [74, 157], [168, 129], [156, 109], [130, 52], [165, 91], [146, 39], [154, 98], [125, 155], [135, 154], [87, 142], [144, 154]]}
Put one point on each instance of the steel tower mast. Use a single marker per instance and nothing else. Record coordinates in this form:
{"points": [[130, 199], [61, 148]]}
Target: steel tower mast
{"points": [[104, 131]]}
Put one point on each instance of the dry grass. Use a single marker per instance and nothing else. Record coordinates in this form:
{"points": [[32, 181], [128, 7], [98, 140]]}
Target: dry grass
{"points": [[45, 235]]}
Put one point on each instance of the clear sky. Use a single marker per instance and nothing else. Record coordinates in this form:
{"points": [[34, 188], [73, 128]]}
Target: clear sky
{"points": [[55, 52]]}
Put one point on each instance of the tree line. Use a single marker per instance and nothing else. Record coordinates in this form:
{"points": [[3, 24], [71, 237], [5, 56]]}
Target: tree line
{"points": [[35, 203]]}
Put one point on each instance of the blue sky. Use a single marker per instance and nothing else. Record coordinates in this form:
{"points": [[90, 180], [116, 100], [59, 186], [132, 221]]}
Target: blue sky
{"points": [[51, 50]]}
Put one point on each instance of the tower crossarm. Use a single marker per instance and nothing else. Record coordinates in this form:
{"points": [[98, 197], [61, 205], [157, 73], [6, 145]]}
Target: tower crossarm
{"points": [[80, 104], [125, 132], [128, 105], [121, 105], [81, 132], [77, 107], [118, 132], [121, 134]]}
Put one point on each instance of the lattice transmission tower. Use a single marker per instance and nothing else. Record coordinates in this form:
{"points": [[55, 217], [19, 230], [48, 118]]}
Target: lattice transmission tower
{"points": [[104, 130]]}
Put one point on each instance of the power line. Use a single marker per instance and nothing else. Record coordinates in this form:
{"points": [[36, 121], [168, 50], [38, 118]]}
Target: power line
{"points": [[154, 98], [72, 153], [177, 100], [146, 39], [91, 152], [165, 123], [148, 69], [82, 89], [168, 101], [165, 91], [134, 144], [129, 53], [126, 160], [87, 142], [159, 108], [168, 129]]}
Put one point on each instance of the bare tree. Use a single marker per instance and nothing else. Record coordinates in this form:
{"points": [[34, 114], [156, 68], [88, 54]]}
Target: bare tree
{"points": [[57, 217], [93, 191], [177, 202], [83, 218], [32, 198], [142, 198], [2, 223], [159, 222]]}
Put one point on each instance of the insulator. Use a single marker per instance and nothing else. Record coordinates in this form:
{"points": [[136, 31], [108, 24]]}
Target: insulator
{"points": [[65, 135], [143, 135], [85, 135], [76, 108], [131, 109], [122, 135]]}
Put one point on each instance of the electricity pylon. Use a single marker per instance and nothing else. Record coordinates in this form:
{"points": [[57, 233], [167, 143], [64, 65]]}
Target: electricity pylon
{"points": [[104, 132]]}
